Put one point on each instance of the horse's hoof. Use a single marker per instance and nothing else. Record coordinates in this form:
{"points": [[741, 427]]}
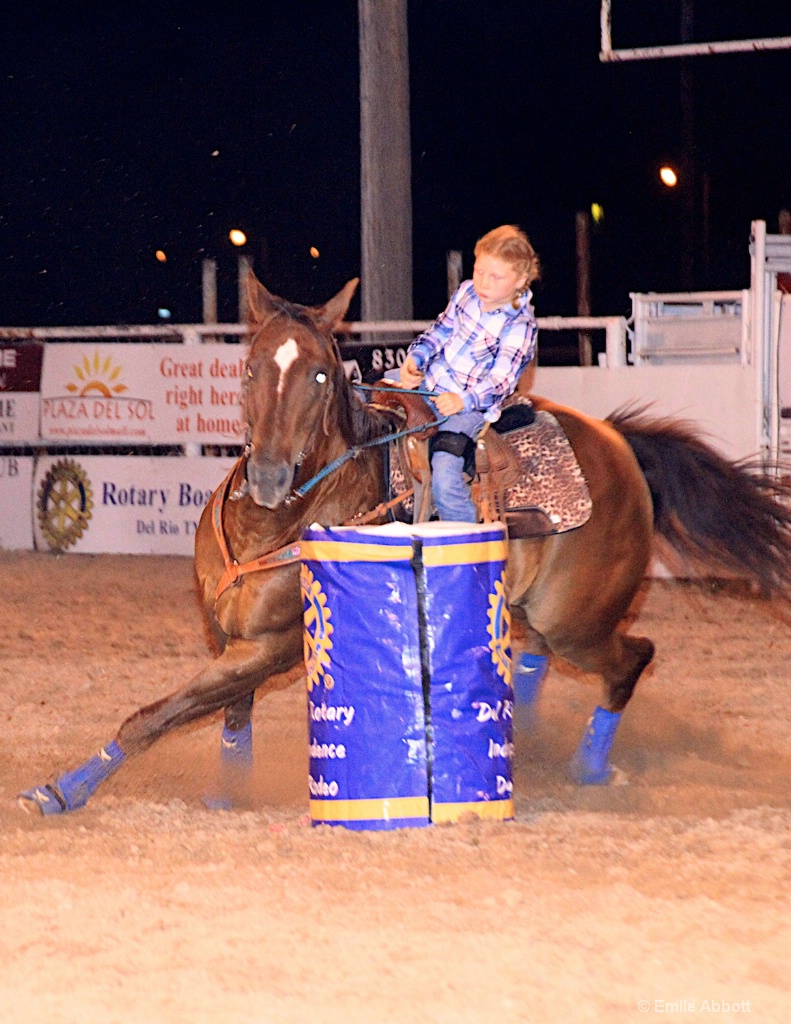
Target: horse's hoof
{"points": [[45, 799], [217, 803], [586, 775]]}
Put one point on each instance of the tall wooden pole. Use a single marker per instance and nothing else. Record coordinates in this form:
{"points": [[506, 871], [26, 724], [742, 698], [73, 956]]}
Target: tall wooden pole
{"points": [[582, 222], [244, 266], [385, 159], [209, 281]]}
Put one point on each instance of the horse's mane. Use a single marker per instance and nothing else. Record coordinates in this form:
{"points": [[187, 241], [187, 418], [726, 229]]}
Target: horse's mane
{"points": [[358, 421]]}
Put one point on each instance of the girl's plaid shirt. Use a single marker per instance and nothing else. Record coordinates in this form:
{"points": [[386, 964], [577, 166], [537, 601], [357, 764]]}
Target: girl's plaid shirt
{"points": [[478, 355]]}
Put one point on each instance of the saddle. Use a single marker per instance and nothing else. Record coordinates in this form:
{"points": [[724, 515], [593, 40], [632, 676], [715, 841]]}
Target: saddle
{"points": [[525, 473]]}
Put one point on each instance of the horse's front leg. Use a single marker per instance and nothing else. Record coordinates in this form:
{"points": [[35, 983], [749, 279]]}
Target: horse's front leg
{"points": [[226, 682]]}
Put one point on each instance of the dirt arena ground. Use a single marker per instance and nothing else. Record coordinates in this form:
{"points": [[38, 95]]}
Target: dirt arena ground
{"points": [[664, 897]]}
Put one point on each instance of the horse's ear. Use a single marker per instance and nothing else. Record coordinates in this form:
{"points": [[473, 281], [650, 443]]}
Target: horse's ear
{"points": [[260, 300], [333, 312]]}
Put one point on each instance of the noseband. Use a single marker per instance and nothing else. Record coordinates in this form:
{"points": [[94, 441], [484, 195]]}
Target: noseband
{"points": [[290, 553]]}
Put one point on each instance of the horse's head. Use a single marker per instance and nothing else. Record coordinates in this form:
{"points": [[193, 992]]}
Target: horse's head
{"points": [[293, 373]]}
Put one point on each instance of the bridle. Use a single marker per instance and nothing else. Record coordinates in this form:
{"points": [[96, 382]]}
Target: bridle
{"points": [[290, 553]]}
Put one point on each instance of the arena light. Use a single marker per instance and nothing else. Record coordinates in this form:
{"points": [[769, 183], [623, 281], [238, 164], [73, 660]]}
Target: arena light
{"points": [[160, 255], [237, 237], [668, 176]]}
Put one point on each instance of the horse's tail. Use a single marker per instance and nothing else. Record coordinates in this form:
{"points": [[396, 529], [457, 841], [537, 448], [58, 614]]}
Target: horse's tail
{"points": [[729, 515]]}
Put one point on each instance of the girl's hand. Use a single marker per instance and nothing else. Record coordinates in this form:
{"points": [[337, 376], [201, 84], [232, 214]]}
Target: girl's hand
{"points": [[449, 403], [411, 377]]}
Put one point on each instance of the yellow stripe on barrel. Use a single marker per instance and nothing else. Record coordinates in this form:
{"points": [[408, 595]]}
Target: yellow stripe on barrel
{"points": [[370, 810]]}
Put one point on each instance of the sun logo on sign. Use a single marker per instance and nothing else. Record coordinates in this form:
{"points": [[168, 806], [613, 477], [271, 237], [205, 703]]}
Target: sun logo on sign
{"points": [[499, 629], [316, 618], [90, 372]]}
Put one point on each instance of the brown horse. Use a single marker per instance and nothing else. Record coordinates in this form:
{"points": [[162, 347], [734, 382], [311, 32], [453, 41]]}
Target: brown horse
{"points": [[574, 588]]}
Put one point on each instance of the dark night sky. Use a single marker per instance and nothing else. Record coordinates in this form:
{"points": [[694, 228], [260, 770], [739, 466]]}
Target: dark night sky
{"points": [[110, 114]]}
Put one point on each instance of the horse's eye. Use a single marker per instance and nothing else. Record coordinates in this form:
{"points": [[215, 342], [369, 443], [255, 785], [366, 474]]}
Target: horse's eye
{"points": [[249, 373], [321, 377]]}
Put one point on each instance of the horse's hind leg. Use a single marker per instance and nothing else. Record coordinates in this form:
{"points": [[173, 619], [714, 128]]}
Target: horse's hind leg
{"points": [[226, 682], [530, 668], [621, 679], [584, 631], [236, 755], [629, 655], [237, 734]]}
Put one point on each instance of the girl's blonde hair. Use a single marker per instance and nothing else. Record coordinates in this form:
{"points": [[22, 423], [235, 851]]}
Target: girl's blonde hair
{"points": [[510, 244]]}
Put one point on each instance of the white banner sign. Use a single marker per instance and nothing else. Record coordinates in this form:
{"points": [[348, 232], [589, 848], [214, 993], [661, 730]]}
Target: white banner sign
{"points": [[16, 485], [20, 378], [142, 393], [19, 417], [124, 505]]}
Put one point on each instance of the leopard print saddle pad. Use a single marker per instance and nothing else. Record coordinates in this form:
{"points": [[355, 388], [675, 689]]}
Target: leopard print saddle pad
{"points": [[546, 494], [550, 494]]}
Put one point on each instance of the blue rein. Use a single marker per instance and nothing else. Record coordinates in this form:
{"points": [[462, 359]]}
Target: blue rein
{"points": [[352, 453]]}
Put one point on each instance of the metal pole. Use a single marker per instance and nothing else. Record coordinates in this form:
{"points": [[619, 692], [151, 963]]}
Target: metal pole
{"points": [[760, 334], [616, 341], [696, 49]]}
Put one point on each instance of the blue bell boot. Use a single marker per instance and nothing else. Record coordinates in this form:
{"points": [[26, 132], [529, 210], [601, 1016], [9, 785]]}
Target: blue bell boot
{"points": [[236, 746], [73, 789], [236, 763], [590, 765], [529, 672]]}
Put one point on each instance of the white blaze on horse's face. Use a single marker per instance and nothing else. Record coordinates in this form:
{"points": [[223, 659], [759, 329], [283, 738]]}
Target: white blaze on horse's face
{"points": [[284, 357], [283, 406]]}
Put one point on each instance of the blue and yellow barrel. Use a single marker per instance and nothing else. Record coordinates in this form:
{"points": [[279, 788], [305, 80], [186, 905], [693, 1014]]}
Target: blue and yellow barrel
{"points": [[408, 664]]}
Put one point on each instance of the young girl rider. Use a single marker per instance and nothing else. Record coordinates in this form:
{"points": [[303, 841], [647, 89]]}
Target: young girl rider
{"points": [[473, 355]]}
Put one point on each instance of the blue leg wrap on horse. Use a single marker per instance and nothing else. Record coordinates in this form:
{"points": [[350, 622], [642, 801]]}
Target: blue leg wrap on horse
{"points": [[529, 672], [236, 746], [236, 761], [77, 786], [590, 765], [73, 789]]}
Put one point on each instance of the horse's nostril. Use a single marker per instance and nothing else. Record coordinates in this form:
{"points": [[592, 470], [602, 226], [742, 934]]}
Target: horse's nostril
{"points": [[269, 481]]}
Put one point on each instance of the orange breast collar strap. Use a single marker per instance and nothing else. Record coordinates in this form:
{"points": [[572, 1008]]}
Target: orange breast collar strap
{"points": [[274, 560]]}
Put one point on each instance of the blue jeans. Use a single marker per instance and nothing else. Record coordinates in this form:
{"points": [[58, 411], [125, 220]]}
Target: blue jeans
{"points": [[449, 486]]}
